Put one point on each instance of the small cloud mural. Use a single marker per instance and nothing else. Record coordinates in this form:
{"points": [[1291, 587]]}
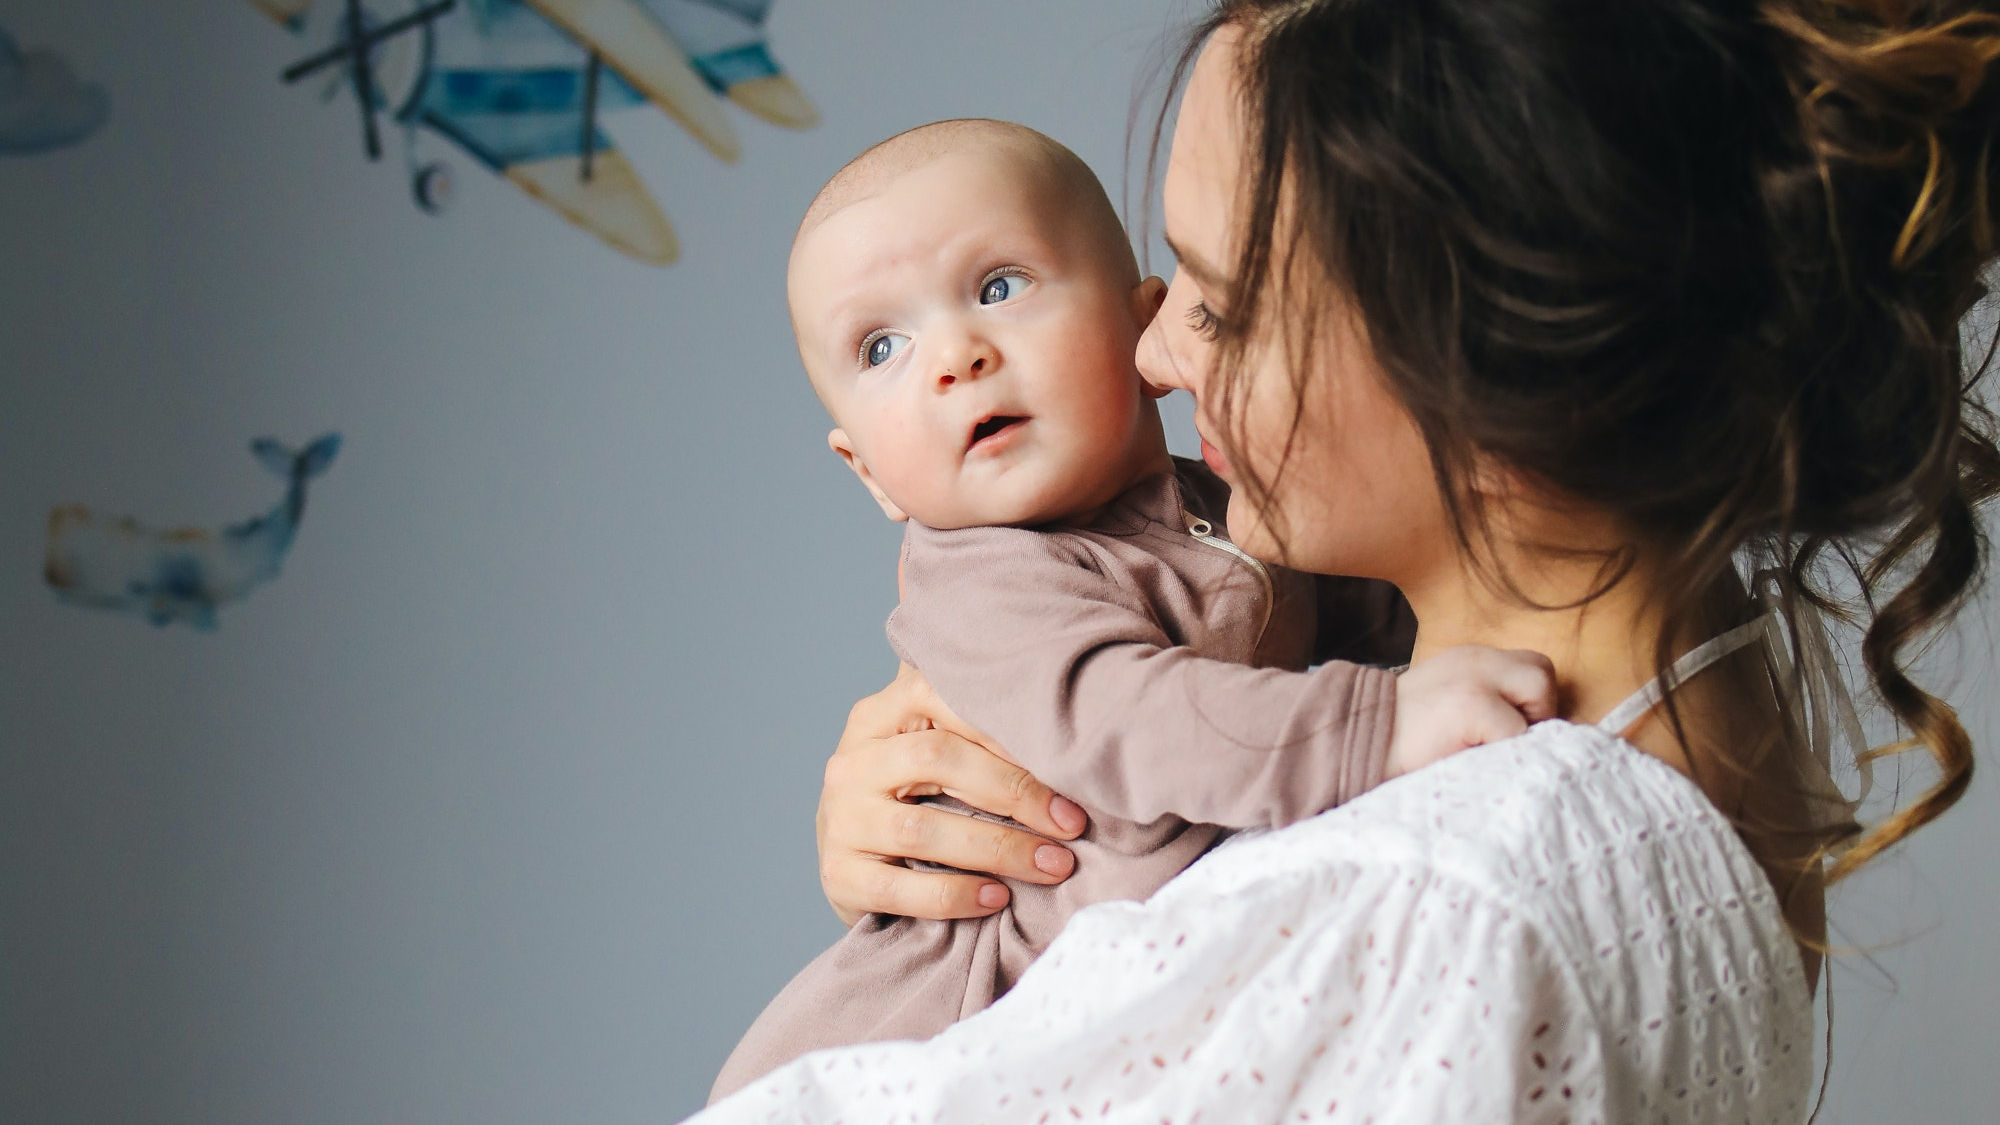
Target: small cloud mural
{"points": [[186, 573], [520, 86], [43, 105]]}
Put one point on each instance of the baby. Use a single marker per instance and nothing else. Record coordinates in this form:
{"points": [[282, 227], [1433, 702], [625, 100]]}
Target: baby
{"points": [[967, 306]]}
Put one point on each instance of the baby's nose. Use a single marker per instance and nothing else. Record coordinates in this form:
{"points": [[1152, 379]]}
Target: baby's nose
{"points": [[971, 369]]}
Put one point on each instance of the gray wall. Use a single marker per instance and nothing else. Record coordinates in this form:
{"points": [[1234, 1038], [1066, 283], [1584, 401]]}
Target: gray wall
{"points": [[497, 805]]}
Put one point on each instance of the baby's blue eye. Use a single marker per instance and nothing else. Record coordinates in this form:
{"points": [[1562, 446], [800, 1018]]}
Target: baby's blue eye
{"points": [[882, 348], [1004, 287]]}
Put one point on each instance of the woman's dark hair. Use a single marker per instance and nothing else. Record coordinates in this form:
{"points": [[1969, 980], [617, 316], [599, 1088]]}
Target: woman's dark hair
{"points": [[1698, 263]]}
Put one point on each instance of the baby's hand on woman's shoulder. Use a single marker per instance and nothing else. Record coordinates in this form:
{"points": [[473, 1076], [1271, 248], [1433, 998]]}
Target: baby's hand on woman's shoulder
{"points": [[1464, 697]]}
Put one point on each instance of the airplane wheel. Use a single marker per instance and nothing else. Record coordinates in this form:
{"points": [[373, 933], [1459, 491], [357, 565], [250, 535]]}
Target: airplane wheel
{"points": [[432, 186]]}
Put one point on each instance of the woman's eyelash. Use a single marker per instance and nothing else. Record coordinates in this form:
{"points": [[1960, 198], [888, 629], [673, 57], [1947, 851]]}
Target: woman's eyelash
{"points": [[1203, 320]]}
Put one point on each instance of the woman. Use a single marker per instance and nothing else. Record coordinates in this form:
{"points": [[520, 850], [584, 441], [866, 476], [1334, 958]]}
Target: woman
{"points": [[1552, 313]]}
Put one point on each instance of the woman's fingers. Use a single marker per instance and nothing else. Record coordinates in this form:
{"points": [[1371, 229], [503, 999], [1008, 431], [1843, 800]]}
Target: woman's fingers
{"points": [[900, 744], [868, 824], [942, 761], [956, 759], [936, 835], [892, 824], [885, 888]]}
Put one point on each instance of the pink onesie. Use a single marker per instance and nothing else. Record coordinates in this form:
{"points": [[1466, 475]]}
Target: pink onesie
{"points": [[1138, 664]]}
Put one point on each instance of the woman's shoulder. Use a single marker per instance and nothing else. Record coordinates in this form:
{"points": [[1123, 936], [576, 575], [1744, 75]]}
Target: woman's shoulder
{"points": [[1565, 824], [1567, 852], [1494, 810]]}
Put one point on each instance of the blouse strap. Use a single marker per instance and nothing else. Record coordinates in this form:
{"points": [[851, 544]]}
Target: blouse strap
{"points": [[1623, 716]]}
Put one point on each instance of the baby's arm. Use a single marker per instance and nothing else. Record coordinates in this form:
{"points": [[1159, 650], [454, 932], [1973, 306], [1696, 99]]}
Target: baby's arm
{"points": [[1068, 670]]}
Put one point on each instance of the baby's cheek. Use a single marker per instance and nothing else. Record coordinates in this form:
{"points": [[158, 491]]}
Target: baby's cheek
{"points": [[1120, 400]]}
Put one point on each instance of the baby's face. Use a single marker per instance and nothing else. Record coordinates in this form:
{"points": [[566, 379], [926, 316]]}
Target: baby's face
{"points": [[974, 347]]}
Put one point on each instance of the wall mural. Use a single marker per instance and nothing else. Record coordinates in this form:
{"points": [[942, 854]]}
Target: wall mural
{"points": [[185, 573], [43, 105], [520, 85]]}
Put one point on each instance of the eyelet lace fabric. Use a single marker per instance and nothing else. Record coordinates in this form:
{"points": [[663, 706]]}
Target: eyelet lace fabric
{"points": [[1552, 928]]}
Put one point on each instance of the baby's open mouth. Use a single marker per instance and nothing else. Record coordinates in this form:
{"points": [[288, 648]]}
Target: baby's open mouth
{"points": [[994, 425]]}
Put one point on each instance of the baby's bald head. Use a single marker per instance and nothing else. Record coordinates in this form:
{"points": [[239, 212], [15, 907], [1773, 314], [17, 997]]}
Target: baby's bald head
{"points": [[967, 307], [1068, 184]]}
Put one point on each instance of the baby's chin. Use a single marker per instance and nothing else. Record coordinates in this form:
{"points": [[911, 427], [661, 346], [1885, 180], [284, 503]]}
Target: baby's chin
{"points": [[1029, 508], [998, 516], [1054, 486]]}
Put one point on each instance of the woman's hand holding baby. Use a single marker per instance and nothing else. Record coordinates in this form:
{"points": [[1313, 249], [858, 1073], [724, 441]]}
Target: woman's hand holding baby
{"points": [[902, 743], [1467, 696]]}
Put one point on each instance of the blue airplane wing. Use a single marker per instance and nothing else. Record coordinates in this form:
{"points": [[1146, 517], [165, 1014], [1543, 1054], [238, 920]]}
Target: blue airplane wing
{"points": [[529, 126], [634, 43], [725, 41]]}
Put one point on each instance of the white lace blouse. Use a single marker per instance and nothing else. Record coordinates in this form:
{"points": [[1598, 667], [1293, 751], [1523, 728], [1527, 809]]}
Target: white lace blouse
{"points": [[1553, 928]]}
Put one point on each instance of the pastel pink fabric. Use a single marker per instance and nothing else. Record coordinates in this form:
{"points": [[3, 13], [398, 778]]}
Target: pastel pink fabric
{"points": [[1145, 673]]}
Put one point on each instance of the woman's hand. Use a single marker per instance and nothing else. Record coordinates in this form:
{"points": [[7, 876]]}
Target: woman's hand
{"points": [[902, 743]]}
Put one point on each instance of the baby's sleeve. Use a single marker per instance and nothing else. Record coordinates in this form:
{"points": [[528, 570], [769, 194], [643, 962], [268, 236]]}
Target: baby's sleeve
{"points": [[1069, 671]]}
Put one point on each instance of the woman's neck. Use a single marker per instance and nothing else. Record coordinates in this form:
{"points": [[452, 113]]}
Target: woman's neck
{"points": [[1735, 743], [1603, 649]]}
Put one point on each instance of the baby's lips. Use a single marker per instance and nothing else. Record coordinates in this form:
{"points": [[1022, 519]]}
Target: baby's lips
{"points": [[973, 436]]}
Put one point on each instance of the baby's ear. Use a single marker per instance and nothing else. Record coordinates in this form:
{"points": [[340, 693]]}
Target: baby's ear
{"points": [[1147, 297], [840, 444]]}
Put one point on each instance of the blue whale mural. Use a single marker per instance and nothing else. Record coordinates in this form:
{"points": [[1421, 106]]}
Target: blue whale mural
{"points": [[181, 574]]}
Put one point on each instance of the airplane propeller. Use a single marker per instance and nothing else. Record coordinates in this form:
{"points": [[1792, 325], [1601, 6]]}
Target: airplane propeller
{"points": [[355, 48]]}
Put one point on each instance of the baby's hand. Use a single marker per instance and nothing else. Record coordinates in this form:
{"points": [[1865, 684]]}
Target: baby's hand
{"points": [[1464, 697]]}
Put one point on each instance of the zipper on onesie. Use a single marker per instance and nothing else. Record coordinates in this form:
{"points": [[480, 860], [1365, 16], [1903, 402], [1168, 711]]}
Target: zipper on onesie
{"points": [[1204, 532]]}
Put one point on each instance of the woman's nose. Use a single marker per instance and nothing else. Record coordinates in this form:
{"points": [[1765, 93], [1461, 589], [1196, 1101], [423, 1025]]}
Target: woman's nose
{"points": [[1156, 363]]}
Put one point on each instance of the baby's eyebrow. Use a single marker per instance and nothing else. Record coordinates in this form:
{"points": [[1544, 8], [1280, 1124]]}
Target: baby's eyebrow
{"points": [[825, 338], [851, 317]]}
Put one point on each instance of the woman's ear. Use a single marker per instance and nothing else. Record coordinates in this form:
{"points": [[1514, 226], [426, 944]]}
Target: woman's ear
{"points": [[1147, 297], [838, 441]]}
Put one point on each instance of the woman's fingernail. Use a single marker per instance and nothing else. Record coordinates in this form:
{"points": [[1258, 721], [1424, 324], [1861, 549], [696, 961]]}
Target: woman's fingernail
{"points": [[1066, 813], [1054, 860], [993, 896]]}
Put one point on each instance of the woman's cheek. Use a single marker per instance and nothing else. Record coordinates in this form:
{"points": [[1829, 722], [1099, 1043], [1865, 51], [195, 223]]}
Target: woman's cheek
{"points": [[1295, 463]]}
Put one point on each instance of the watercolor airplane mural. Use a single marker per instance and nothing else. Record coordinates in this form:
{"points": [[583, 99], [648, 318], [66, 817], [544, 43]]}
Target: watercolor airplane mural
{"points": [[181, 574], [520, 86], [43, 105]]}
